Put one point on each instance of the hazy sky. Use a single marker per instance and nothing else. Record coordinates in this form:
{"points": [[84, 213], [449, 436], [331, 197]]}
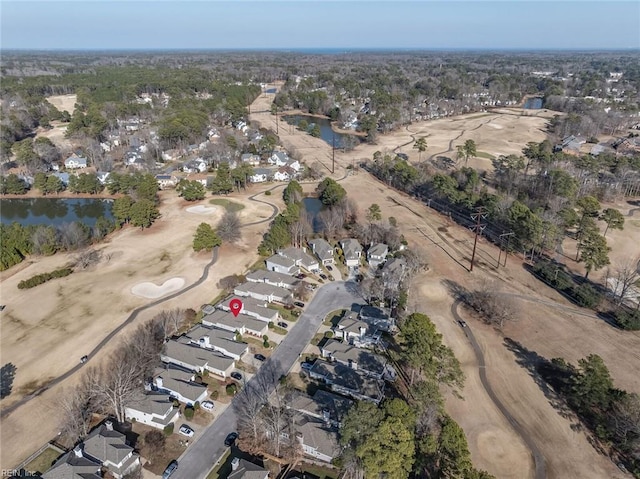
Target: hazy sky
{"points": [[177, 24]]}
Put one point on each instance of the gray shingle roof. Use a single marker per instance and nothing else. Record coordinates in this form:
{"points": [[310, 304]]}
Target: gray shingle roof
{"points": [[195, 356], [248, 470], [107, 445], [299, 257], [70, 466], [179, 381], [272, 277], [281, 261], [220, 338], [262, 289], [322, 248], [351, 247], [344, 352], [153, 403]]}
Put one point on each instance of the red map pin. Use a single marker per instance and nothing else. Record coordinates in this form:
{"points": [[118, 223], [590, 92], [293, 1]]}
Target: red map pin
{"points": [[236, 306]]}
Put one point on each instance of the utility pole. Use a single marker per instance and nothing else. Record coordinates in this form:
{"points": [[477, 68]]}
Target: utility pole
{"points": [[506, 251], [478, 216], [277, 124]]}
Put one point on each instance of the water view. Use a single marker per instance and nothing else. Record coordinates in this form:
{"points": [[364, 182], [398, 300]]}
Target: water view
{"points": [[54, 211], [313, 207], [326, 133]]}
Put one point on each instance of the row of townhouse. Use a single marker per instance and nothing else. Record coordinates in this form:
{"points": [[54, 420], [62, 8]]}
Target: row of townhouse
{"points": [[352, 251], [288, 261]]}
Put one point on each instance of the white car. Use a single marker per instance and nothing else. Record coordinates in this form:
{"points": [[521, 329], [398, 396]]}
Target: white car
{"points": [[207, 405], [186, 431]]}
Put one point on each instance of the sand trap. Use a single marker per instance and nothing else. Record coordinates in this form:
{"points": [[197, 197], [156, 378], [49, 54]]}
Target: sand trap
{"points": [[201, 209], [493, 125], [152, 290]]}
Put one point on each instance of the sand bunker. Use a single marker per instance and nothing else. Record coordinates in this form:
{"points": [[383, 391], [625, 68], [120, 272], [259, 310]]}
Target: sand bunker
{"points": [[201, 209], [152, 290]]}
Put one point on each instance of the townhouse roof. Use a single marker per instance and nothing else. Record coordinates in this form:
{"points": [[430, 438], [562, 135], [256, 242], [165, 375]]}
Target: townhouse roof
{"points": [[345, 352], [196, 356], [348, 378], [350, 247], [322, 248], [322, 403], [248, 470], [180, 381], [378, 249], [265, 276], [262, 289], [281, 261], [72, 466], [351, 324], [297, 254], [318, 435], [107, 445], [157, 404], [220, 338], [250, 306]]}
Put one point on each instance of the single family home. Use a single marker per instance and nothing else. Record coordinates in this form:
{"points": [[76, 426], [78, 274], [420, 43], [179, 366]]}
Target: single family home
{"points": [[74, 464], [243, 469], [153, 409], [260, 175], [278, 158], [166, 181], [281, 264], [250, 159], [74, 162], [323, 250], [110, 448], [352, 252], [377, 254]]}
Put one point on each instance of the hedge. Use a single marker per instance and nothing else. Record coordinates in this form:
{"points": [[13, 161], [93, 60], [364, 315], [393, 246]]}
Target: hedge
{"points": [[43, 278], [168, 429], [188, 412], [627, 320]]}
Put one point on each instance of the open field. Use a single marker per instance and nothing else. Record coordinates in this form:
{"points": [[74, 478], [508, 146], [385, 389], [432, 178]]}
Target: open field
{"points": [[64, 102], [73, 314]]}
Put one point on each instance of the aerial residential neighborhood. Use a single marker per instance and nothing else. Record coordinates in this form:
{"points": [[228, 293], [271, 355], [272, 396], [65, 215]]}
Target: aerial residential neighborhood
{"points": [[319, 240]]}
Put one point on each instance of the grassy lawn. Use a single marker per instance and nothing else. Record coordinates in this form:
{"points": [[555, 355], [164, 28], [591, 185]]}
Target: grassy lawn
{"points": [[227, 204], [43, 462], [277, 329], [317, 338], [318, 471], [488, 156], [285, 314], [333, 317]]}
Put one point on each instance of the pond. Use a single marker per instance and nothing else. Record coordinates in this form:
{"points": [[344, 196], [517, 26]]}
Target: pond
{"points": [[533, 103], [54, 211], [313, 207], [326, 133]]}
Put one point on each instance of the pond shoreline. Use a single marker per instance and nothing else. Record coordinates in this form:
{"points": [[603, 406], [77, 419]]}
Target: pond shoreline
{"points": [[334, 123]]}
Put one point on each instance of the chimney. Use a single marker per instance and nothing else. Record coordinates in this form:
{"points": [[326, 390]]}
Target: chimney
{"points": [[78, 451], [159, 382], [326, 416], [235, 463], [108, 425]]}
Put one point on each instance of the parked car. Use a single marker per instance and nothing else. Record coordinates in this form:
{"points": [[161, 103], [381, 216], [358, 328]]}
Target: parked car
{"points": [[283, 325], [171, 468], [186, 431], [329, 268], [259, 357], [306, 366], [236, 375], [230, 439], [299, 304], [207, 405], [323, 276]]}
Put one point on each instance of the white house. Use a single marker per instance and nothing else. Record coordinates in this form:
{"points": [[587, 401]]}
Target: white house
{"points": [[263, 291], [352, 252], [273, 278], [251, 307], [350, 328], [282, 264], [260, 175], [183, 353], [278, 158], [110, 448], [295, 165], [219, 340], [179, 384], [154, 409], [243, 323], [323, 250], [102, 176], [301, 258], [74, 162], [166, 181], [377, 254], [284, 173]]}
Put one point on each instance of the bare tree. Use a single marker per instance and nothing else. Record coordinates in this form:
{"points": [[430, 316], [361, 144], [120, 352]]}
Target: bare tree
{"points": [[171, 320], [300, 291], [230, 282], [625, 276], [87, 257], [331, 220], [73, 235], [625, 419], [229, 227], [76, 407], [492, 307], [155, 443], [301, 229]]}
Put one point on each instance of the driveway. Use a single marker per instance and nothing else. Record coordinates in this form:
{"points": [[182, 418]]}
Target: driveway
{"points": [[201, 456]]}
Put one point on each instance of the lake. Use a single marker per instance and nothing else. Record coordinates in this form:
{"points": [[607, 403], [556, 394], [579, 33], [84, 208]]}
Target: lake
{"points": [[54, 211], [533, 103], [326, 133], [313, 207]]}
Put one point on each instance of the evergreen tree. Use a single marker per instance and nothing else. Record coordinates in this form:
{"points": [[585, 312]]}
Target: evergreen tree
{"points": [[205, 238]]}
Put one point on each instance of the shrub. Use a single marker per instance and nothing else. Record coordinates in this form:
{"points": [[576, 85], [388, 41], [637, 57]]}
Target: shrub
{"points": [[214, 395], [188, 412], [586, 296], [628, 321], [328, 334], [43, 278], [196, 405], [266, 344], [267, 193], [231, 389], [168, 429]]}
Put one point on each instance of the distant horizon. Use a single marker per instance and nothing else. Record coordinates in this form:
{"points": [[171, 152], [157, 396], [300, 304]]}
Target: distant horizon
{"points": [[350, 25]]}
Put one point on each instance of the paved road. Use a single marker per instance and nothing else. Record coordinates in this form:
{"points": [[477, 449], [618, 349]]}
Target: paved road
{"points": [[199, 458], [538, 458]]}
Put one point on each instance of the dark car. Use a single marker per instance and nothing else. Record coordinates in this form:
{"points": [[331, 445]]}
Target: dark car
{"points": [[323, 276], [171, 468], [236, 375], [301, 276], [259, 357], [329, 268], [462, 324], [230, 440], [283, 325], [84, 359], [299, 304]]}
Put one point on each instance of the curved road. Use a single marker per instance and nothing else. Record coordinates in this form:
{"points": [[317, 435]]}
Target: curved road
{"points": [[199, 458], [538, 458], [134, 314]]}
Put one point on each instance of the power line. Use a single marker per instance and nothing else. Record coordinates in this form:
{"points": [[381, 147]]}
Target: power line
{"points": [[478, 216]]}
